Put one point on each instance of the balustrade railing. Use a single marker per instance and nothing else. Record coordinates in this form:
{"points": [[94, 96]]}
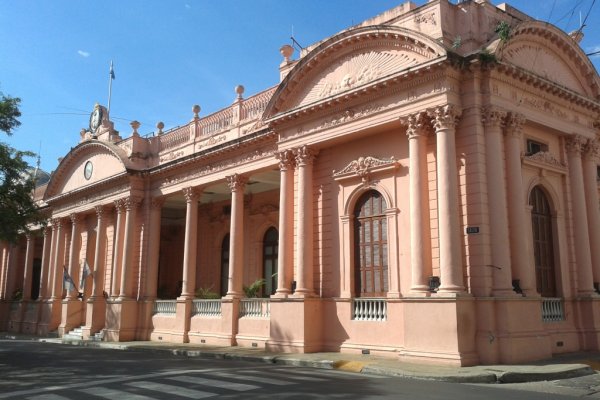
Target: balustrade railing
{"points": [[167, 307], [207, 308], [255, 308], [253, 107], [369, 309], [552, 310], [174, 138]]}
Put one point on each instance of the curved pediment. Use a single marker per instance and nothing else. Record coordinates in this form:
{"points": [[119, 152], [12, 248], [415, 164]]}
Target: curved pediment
{"points": [[551, 54], [350, 60], [85, 165]]}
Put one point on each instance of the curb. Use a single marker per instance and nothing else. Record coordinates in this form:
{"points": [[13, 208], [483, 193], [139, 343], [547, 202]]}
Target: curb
{"points": [[483, 374]]}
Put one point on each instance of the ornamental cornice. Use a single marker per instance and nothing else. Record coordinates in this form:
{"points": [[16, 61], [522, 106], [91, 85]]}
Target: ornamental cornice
{"points": [[95, 192], [545, 159], [189, 174], [365, 167], [542, 84]]}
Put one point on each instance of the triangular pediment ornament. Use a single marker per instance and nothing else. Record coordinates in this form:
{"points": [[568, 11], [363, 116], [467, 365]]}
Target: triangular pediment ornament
{"points": [[353, 59], [549, 53], [545, 159], [363, 167]]}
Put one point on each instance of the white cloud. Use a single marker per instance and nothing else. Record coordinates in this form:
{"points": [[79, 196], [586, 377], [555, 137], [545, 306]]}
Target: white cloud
{"points": [[594, 49], [83, 53]]}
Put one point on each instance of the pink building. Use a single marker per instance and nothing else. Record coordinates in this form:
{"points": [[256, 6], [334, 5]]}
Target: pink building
{"points": [[423, 185]]}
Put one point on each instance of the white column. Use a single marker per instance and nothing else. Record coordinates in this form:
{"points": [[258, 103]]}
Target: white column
{"points": [[131, 205], [73, 251], [420, 232], [518, 219], [28, 271], [497, 202], [45, 272], [590, 168], [58, 259], [237, 183], [117, 253], [190, 251], [304, 283], [154, 248], [285, 267], [583, 257], [99, 254], [451, 271], [3, 270]]}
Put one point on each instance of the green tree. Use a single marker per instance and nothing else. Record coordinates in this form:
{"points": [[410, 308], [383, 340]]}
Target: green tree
{"points": [[17, 207]]}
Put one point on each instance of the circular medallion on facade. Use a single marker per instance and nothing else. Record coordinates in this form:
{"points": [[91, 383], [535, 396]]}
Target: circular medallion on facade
{"points": [[95, 118], [87, 170]]}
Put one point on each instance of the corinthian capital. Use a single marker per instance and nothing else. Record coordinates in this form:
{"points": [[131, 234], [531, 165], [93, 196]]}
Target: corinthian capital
{"points": [[592, 149], [286, 159], [445, 117], [575, 144], [237, 182], [305, 155], [190, 194], [492, 116], [514, 124], [417, 125]]}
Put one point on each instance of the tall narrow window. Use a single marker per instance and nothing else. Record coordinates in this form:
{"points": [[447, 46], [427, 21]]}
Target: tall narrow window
{"points": [[270, 252], [225, 265], [370, 246], [543, 243]]}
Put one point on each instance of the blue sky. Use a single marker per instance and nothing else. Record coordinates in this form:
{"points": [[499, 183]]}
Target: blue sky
{"points": [[170, 55]]}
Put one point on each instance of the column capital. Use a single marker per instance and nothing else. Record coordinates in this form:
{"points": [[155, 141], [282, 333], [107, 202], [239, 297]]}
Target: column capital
{"points": [[157, 202], [286, 159], [28, 236], [47, 230], [514, 124], [575, 144], [56, 223], [445, 117], [417, 125], [100, 210], [237, 182], [119, 205], [305, 155], [130, 203], [191, 194], [592, 149], [493, 116], [75, 218]]}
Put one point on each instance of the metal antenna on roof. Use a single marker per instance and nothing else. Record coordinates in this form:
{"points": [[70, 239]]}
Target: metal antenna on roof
{"points": [[294, 41]]}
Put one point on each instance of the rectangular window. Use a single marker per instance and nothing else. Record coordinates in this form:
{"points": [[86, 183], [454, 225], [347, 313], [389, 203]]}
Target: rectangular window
{"points": [[533, 146]]}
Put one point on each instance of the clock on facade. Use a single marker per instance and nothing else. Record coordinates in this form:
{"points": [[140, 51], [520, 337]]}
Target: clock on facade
{"points": [[87, 170], [95, 118]]}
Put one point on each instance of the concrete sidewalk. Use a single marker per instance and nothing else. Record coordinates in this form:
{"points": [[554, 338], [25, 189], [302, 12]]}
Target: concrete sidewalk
{"points": [[568, 366]]}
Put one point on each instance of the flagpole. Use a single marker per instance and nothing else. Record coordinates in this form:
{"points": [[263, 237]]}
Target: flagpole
{"points": [[110, 79]]}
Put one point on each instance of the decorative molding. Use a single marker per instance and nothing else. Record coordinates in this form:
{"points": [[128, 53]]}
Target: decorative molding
{"points": [[171, 156], [426, 18], [546, 158], [592, 149], [157, 202], [345, 116], [365, 167], [264, 209]]}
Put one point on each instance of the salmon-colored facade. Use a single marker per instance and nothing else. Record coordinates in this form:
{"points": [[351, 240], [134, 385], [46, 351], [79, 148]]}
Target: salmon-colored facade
{"points": [[423, 185]]}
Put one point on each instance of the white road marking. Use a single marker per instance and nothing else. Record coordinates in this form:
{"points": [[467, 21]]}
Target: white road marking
{"points": [[289, 375], [108, 393], [48, 397], [171, 389], [238, 387], [268, 381]]}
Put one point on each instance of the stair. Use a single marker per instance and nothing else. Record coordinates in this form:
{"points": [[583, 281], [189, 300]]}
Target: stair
{"points": [[97, 337], [75, 334]]}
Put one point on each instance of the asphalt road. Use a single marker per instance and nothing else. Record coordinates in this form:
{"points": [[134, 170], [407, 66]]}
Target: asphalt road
{"points": [[36, 371]]}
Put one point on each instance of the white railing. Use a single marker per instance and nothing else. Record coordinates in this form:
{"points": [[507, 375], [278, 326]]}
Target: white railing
{"points": [[207, 308], [253, 107], [552, 310], [217, 122], [174, 138], [369, 309], [255, 308], [164, 307]]}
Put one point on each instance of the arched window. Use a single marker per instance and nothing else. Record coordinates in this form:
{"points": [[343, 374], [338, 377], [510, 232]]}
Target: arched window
{"points": [[543, 243], [224, 265], [270, 253], [370, 246]]}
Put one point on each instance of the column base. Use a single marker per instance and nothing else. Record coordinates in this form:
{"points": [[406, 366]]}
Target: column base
{"points": [[72, 316], [95, 316], [122, 326], [296, 326]]}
